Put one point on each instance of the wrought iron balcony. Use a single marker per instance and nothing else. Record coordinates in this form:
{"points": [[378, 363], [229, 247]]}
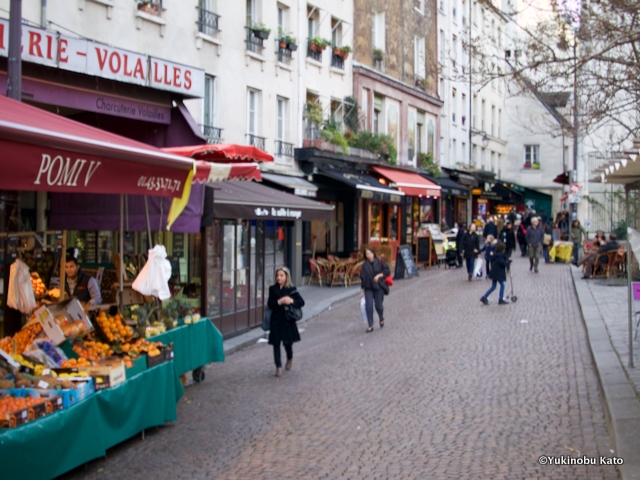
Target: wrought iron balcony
{"points": [[208, 22], [256, 141], [213, 134], [254, 43], [284, 56], [284, 149], [314, 54], [337, 61]]}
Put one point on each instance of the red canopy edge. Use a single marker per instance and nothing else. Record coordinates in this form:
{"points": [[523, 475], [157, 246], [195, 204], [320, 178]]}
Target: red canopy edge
{"points": [[212, 172], [43, 151], [222, 152], [410, 183]]}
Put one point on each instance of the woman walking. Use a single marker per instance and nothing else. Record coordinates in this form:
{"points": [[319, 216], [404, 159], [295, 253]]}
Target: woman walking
{"points": [[499, 266], [470, 248], [283, 329], [577, 232], [374, 271]]}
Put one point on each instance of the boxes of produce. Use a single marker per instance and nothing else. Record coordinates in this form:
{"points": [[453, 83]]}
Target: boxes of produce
{"points": [[159, 355], [138, 364], [51, 399], [112, 327], [107, 373], [84, 388], [20, 406], [62, 320]]}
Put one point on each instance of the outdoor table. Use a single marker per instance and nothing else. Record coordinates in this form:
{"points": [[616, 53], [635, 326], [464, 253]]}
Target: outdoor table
{"points": [[561, 252], [53, 445], [194, 346]]}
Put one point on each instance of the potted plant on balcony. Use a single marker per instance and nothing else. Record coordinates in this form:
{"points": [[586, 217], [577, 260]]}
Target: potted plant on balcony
{"points": [[149, 6], [342, 52], [535, 166], [378, 55], [260, 31], [317, 44]]}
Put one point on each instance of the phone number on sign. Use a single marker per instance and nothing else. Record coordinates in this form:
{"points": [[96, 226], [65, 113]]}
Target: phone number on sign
{"points": [[159, 183]]}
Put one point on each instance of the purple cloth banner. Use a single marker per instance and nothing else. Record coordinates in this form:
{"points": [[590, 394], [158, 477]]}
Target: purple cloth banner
{"points": [[88, 212]]}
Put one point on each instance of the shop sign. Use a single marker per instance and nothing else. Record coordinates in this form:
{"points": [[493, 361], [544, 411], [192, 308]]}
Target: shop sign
{"points": [[368, 194], [53, 49], [433, 193], [278, 212], [303, 192], [491, 196], [395, 198]]}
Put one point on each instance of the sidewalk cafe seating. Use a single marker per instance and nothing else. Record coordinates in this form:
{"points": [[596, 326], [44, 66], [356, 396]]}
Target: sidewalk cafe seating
{"points": [[315, 272], [354, 272]]}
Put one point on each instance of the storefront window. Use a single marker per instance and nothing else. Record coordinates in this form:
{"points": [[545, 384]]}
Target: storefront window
{"points": [[270, 252], [228, 267], [427, 214], [214, 270], [394, 212], [242, 271], [409, 219], [375, 222]]}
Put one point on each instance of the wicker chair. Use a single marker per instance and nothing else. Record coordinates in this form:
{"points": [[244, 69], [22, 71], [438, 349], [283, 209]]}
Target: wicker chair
{"points": [[315, 272], [354, 272], [601, 269]]}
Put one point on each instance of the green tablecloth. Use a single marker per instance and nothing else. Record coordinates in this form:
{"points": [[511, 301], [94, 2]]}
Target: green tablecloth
{"points": [[194, 345], [60, 442]]}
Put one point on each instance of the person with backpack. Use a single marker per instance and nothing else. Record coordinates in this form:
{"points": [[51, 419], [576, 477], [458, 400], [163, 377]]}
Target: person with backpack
{"points": [[283, 299], [499, 265], [373, 286]]}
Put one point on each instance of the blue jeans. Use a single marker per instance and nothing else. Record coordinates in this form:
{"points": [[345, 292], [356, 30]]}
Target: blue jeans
{"points": [[493, 287], [471, 262]]}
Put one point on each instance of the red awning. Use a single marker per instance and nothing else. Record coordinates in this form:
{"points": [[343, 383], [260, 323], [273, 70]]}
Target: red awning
{"points": [[211, 172], [43, 151], [222, 153], [562, 179], [410, 183]]}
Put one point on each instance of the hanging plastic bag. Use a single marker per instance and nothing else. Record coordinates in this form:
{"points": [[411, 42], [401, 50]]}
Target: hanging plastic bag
{"points": [[153, 279], [477, 268], [363, 310], [20, 295]]}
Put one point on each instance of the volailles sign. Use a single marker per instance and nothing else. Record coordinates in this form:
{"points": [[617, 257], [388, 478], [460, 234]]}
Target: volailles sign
{"points": [[53, 49]]}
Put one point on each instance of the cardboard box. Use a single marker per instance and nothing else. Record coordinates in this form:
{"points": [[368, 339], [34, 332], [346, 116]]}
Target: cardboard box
{"points": [[70, 309], [51, 402], [108, 374], [166, 354]]}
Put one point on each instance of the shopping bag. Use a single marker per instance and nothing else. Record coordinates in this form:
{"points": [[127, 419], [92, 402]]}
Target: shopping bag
{"points": [[477, 269], [20, 295], [153, 279], [363, 310]]}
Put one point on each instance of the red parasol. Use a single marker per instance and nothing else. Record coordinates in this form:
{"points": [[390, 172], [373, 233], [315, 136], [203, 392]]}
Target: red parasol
{"points": [[225, 153]]}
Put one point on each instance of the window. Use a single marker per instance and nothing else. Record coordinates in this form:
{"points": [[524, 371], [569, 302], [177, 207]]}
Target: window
{"points": [[419, 59], [379, 31], [499, 37], [474, 124], [252, 12], [454, 50], [312, 21], [482, 115], [499, 123], [337, 61], [474, 157], [454, 150], [454, 101], [253, 113], [442, 47], [499, 165], [440, 87], [378, 122], [209, 116], [365, 109], [453, 10], [482, 158], [463, 110], [207, 19], [493, 121], [532, 156], [464, 151], [420, 132], [441, 5], [493, 162], [283, 14], [419, 6], [281, 125], [311, 129]]}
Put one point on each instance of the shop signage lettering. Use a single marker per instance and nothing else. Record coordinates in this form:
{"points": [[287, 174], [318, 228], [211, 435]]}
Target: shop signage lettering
{"points": [[395, 198], [121, 108], [433, 193], [278, 212], [54, 49], [61, 171], [366, 194]]}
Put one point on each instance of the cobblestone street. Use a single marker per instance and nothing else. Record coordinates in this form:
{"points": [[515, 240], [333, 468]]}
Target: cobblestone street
{"points": [[449, 389]]}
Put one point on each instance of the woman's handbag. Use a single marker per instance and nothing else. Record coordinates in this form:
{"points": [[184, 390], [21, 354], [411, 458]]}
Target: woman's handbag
{"points": [[266, 321], [547, 239], [293, 313], [389, 280], [383, 285]]}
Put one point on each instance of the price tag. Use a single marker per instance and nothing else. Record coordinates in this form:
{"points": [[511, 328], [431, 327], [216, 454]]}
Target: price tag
{"points": [[46, 371], [42, 384]]}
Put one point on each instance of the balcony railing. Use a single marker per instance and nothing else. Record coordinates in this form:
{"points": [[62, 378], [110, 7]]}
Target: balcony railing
{"points": [[254, 43], [284, 56], [213, 134], [256, 141], [337, 61], [208, 22], [314, 54], [284, 149], [312, 133]]}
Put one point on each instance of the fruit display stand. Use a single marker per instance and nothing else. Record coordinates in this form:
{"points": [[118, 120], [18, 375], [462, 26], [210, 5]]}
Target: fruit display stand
{"points": [[194, 345], [73, 436]]}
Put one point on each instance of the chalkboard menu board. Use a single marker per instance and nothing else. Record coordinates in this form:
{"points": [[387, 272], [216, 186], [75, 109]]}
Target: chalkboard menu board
{"points": [[404, 261], [424, 249], [178, 245], [90, 247]]}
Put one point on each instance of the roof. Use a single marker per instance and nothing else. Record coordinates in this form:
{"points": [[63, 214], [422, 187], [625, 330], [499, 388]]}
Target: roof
{"points": [[299, 185], [448, 186], [359, 181]]}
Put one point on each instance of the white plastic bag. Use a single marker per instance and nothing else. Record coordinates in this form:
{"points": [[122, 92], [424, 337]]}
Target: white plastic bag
{"points": [[363, 310], [20, 295], [477, 268], [153, 279]]}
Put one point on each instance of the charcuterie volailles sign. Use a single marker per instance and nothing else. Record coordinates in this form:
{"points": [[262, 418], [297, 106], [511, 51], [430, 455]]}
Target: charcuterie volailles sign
{"points": [[54, 49]]}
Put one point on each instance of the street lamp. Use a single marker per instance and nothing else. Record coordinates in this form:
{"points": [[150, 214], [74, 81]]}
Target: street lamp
{"points": [[485, 141]]}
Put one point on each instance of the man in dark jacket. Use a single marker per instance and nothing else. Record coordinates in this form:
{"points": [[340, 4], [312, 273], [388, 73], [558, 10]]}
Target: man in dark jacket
{"points": [[508, 237], [611, 246], [490, 229], [535, 237], [470, 247]]}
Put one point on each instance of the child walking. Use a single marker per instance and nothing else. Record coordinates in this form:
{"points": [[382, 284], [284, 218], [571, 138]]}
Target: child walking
{"points": [[499, 265], [489, 248]]}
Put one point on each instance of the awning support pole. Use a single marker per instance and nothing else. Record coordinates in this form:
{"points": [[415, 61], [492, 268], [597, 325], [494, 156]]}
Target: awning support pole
{"points": [[121, 247], [629, 273], [146, 214]]}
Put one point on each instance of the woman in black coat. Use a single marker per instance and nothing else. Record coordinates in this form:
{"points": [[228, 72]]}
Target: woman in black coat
{"points": [[470, 248], [282, 328], [498, 274], [374, 271]]}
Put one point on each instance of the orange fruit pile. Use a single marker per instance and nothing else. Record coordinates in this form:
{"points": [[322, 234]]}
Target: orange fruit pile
{"points": [[23, 338], [113, 327], [38, 285], [75, 363], [11, 404], [93, 350]]}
